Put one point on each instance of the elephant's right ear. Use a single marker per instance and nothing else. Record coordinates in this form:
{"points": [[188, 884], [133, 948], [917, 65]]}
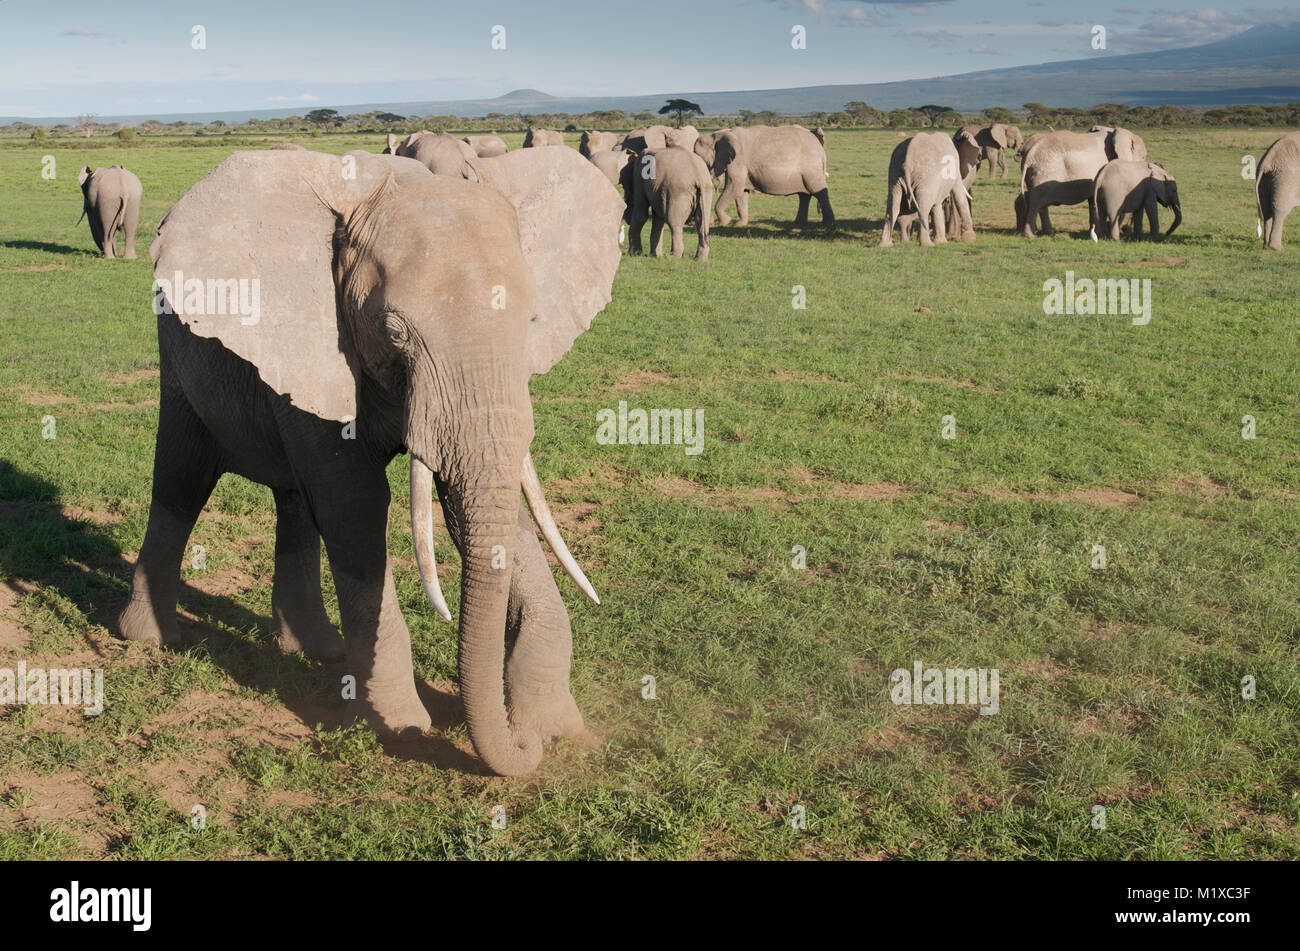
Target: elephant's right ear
{"points": [[392, 145], [999, 133], [246, 257], [569, 218]]}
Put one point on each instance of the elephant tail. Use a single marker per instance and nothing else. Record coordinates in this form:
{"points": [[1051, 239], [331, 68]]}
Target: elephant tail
{"points": [[119, 217]]}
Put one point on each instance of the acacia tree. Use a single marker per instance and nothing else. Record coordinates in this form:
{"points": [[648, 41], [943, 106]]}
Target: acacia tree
{"points": [[86, 124], [680, 108], [321, 116]]}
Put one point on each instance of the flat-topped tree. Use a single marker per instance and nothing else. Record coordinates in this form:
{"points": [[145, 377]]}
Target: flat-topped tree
{"points": [[680, 108]]}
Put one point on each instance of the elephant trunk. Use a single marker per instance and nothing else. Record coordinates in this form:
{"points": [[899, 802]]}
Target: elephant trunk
{"points": [[1178, 218], [487, 506]]}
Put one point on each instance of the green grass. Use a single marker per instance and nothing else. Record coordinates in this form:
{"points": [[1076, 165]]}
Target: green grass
{"points": [[1120, 687]]}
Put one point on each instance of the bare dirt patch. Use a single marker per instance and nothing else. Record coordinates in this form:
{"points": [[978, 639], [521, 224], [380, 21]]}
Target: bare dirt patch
{"points": [[808, 486], [135, 376], [35, 398], [33, 268], [960, 384], [1100, 498], [640, 379]]}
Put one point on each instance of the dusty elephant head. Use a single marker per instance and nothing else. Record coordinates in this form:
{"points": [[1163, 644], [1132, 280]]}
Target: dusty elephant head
{"points": [[434, 298], [1165, 189]]}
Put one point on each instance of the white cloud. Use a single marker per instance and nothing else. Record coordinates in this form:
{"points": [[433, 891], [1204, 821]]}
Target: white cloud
{"points": [[983, 49], [301, 97]]}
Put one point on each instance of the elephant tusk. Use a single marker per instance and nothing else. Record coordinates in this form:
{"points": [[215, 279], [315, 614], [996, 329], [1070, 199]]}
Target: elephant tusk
{"points": [[422, 534], [550, 531]]}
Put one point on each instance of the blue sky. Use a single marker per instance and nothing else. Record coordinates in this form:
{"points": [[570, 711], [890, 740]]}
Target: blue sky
{"points": [[134, 57]]}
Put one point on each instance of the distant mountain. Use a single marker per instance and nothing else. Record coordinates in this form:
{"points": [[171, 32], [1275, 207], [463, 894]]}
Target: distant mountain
{"points": [[1260, 65]]}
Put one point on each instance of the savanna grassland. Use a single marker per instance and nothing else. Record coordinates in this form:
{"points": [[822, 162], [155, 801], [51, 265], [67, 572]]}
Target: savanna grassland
{"points": [[1120, 687]]}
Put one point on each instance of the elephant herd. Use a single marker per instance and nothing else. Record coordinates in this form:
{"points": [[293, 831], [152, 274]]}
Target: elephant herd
{"points": [[402, 308]]}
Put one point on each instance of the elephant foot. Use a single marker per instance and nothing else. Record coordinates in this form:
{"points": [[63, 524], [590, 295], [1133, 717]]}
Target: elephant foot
{"points": [[742, 222], [724, 221], [552, 715], [140, 624], [390, 711], [318, 641], [967, 237]]}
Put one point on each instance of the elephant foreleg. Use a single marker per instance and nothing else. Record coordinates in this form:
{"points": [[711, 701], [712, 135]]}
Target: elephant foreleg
{"points": [[1153, 216], [187, 464], [742, 208], [733, 189], [893, 208], [352, 512], [296, 603]]}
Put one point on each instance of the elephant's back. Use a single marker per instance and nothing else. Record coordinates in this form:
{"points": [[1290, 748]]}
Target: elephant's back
{"points": [[1282, 154]]}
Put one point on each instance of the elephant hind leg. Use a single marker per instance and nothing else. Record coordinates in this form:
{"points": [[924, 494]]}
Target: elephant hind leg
{"points": [[1273, 232], [824, 203], [130, 222], [801, 217], [296, 603], [187, 464], [657, 234]]}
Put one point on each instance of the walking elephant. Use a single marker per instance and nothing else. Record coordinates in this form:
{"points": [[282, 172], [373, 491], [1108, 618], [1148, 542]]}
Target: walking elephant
{"points": [[773, 160], [1060, 167], [1132, 188], [1277, 188], [648, 137], [110, 200], [486, 146], [684, 138], [669, 185], [439, 152], [993, 141], [923, 174], [399, 312], [535, 138]]}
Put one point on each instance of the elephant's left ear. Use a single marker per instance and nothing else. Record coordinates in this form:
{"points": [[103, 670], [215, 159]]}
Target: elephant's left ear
{"points": [[999, 133], [83, 174], [569, 218]]}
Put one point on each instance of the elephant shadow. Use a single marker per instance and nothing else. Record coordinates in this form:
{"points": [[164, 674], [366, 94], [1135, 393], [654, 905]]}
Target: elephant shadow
{"points": [[45, 544], [49, 247]]}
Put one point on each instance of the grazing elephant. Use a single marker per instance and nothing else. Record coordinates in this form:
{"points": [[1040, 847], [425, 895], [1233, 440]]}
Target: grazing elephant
{"points": [[400, 311], [670, 184], [1124, 187], [110, 200], [486, 146], [773, 160], [593, 142], [611, 164], [650, 137], [1277, 188], [923, 175], [439, 152], [1060, 167], [535, 138]]}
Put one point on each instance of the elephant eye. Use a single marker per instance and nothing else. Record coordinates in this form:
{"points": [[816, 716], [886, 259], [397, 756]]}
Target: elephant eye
{"points": [[396, 329]]}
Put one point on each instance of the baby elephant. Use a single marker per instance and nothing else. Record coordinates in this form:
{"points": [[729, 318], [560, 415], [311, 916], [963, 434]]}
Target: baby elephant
{"points": [[111, 200], [1125, 187], [671, 184]]}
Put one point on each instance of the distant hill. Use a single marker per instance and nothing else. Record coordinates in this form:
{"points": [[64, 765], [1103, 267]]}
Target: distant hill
{"points": [[1260, 65]]}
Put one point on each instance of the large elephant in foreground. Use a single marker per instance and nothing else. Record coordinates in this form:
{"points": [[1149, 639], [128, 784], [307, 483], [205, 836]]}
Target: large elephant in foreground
{"points": [[923, 175], [774, 160], [439, 152], [400, 311], [1277, 187], [1132, 188], [110, 199], [1060, 167]]}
